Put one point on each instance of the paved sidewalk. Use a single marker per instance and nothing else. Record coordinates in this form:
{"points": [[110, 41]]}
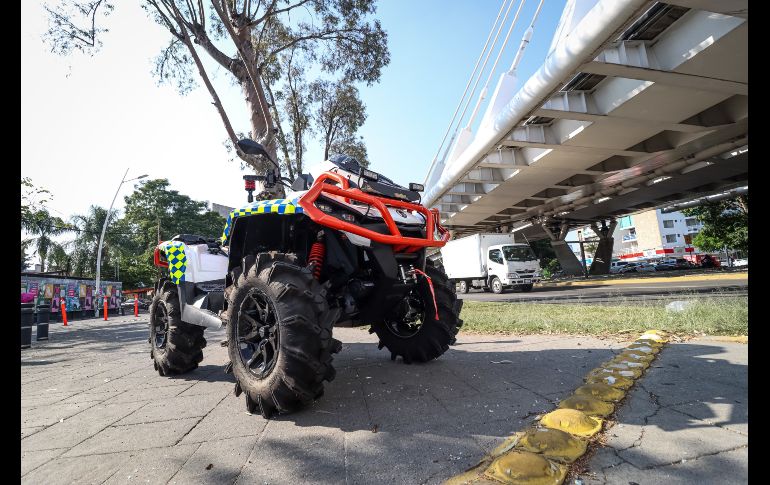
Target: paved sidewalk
{"points": [[94, 411], [685, 422]]}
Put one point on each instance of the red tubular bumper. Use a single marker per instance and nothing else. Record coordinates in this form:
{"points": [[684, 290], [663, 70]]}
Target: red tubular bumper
{"points": [[400, 243], [157, 260]]}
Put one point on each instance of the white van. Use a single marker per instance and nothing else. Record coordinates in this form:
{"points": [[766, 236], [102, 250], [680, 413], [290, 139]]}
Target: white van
{"points": [[616, 265]]}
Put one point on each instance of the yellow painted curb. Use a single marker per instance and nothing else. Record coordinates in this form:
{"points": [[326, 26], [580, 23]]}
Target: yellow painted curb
{"points": [[601, 391], [588, 404], [572, 421], [541, 455]]}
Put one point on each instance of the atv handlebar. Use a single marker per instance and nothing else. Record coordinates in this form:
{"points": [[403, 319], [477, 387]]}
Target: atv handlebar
{"points": [[400, 243]]}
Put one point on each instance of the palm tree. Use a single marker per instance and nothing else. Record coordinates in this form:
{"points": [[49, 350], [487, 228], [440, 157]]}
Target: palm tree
{"points": [[86, 243], [44, 226]]}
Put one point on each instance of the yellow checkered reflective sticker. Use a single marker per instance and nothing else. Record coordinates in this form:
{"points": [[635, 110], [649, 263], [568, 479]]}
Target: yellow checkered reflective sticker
{"points": [[177, 260]]}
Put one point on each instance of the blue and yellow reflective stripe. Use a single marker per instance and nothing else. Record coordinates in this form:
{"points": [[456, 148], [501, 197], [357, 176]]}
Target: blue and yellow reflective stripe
{"points": [[275, 206]]}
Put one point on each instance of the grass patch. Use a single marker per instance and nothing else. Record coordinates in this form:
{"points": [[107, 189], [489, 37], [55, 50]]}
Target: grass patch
{"points": [[709, 316]]}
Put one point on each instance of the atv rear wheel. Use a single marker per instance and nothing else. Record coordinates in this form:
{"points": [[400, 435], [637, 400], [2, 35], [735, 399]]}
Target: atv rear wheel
{"points": [[279, 332], [429, 338], [176, 345]]}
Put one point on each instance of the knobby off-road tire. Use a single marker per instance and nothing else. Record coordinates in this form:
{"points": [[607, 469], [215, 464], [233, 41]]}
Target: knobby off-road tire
{"points": [[176, 346], [433, 337], [280, 370]]}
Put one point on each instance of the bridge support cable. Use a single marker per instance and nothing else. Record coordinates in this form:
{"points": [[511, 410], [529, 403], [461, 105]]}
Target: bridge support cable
{"points": [[440, 162], [467, 85]]}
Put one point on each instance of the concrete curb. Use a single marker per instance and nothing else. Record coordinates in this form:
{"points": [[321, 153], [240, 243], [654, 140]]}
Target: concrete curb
{"points": [[544, 453]]}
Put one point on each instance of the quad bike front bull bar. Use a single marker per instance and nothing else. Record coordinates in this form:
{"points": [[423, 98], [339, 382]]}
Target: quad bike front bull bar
{"points": [[400, 243]]}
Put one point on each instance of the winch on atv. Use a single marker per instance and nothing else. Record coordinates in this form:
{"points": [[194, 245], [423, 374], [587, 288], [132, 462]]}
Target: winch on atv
{"points": [[344, 247]]}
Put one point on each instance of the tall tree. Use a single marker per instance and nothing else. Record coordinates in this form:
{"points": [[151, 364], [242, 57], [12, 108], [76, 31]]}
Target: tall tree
{"points": [[340, 114], [24, 256], [43, 226], [725, 223], [59, 259], [84, 247], [249, 39]]}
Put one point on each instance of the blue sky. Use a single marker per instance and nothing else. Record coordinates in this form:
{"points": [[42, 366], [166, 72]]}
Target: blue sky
{"points": [[84, 120]]}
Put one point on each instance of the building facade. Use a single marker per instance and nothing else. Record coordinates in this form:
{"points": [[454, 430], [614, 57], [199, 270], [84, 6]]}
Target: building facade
{"points": [[648, 234]]}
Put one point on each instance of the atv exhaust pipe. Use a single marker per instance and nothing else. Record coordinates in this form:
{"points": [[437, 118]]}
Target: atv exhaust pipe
{"points": [[198, 316]]}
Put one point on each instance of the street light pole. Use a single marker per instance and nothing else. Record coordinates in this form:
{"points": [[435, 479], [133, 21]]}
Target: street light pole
{"points": [[101, 243]]}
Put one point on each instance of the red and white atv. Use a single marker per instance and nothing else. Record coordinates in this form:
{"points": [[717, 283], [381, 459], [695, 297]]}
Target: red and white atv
{"points": [[344, 247]]}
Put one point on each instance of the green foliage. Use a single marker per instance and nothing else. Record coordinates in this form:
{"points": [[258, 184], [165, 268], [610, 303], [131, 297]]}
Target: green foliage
{"points": [[24, 257], [130, 240], [33, 198], [152, 206], [44, 227], [725, 223], [547, 256]]}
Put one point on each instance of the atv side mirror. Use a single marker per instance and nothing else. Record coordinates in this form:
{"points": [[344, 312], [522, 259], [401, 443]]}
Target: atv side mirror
{"points": [[252, 148]]}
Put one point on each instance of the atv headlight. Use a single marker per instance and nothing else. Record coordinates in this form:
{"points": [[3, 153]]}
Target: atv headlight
{"points": [[324, 207], [346, 216]]}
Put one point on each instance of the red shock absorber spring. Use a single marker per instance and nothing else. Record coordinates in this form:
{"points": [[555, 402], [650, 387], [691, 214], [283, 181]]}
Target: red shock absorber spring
{"points": [[315, 259]]}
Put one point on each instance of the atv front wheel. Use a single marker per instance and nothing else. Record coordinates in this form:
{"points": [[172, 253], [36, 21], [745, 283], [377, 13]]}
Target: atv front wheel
{"points": [[415, 334], [279, 332], [176, 345]]}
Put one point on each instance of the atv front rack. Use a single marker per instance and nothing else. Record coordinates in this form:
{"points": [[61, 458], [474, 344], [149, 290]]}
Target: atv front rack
{"points": [[400, 243]]}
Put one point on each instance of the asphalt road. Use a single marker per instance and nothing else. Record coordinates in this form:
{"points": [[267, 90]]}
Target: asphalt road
{"points": [[601, 292]]}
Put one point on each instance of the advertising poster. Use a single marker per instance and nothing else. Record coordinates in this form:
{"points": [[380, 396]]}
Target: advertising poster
{"points": [[33, 288], [71, 290], [48, 290], [113, 301], [89, 303], [109, 290], [82, 292], [55, 292], [73, 303]]}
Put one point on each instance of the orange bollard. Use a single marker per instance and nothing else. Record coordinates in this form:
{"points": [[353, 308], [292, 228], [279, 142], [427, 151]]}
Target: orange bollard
{"points": [[63, 313], [136, 306], [105, 308]]}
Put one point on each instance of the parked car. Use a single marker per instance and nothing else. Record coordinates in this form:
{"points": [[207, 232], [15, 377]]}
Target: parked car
{"points": [[741, 262], [629, 268], [666, 266], [129, 304], [645, 267], [682, 263], [616, 266]]}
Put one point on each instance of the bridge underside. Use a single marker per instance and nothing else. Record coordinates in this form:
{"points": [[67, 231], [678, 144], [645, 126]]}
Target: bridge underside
{"points": [[659, 115]]}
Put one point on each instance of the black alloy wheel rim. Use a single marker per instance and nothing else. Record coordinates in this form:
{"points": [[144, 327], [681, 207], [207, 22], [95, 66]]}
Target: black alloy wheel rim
{"points": [[160, 326], [408, 323], [257, 333]]}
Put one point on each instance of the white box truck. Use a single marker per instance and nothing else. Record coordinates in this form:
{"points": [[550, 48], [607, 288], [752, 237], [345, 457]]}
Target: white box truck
{"points": [[490, 261]]}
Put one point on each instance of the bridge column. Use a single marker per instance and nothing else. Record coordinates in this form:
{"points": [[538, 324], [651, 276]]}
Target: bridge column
{"points": [[567, 259], [603, 255]]}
